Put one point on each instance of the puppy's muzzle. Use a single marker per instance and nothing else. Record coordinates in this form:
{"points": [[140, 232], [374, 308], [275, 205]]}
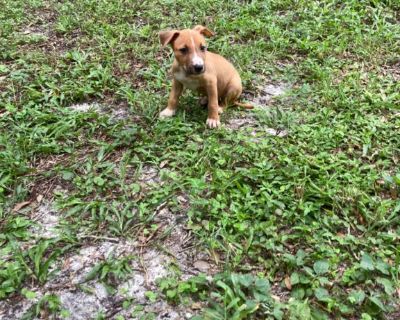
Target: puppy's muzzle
{"points": [[198, 68]]}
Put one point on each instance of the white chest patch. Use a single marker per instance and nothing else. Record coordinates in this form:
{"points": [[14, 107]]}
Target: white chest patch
{"points": [[190, 83]]}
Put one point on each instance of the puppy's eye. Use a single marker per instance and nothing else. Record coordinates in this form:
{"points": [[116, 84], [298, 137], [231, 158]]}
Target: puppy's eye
{"points": [[203, 48], [183, 50]]}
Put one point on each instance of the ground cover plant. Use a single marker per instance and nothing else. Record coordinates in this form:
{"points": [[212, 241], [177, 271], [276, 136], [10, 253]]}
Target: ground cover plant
{"points": [[289, 211]]}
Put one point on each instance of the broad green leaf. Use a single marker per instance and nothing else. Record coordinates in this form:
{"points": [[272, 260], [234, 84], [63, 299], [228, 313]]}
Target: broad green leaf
{"points": [[135, 188], [317, 314], [345, 309], [28, 294], [152, 296], [65, 313], [375, 300], [262, 285], [298, 293], [126, 304], [171, 294], [322, 294], [356, 296], [294, 278], [320, 267], [366, 262], [383, 267], [323, 281], [396, 179], [67, 175], [252, 306], [299, 310], [261, 297], [246, 280], [291, 259], [309, 271], [305, 279], [387, 284], [300, 255], [278, 313], [99, 181], [3, 68]]}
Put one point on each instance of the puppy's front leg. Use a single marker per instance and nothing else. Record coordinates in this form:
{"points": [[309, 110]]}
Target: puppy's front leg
{"points": [[213, 116], [176, 91]]}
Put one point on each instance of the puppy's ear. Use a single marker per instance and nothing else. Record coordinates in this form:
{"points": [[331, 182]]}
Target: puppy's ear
{"points": [[167, 37], [204, 31]]}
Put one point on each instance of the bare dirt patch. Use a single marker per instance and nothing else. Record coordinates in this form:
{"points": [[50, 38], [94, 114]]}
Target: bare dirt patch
{"points": [[248, 120], [392, 70], [150, 258], [35, 31], [86, 107], [149, 175], [268, 92], [46, 220], [41, 33], [42, 24], [117, 112]]}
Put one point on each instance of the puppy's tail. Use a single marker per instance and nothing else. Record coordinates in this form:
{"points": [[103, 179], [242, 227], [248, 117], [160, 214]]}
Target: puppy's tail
{"points": [[243, 105]]}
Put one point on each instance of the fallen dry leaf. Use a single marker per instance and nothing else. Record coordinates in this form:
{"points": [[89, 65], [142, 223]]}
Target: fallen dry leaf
{"points": [[20, 205], [216, 257], [288, 284], [196, 306], [163, 163], [202, 265]]}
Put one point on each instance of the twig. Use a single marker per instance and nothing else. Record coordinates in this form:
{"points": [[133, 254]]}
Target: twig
{"points": [[116, 240], [146, 275]]}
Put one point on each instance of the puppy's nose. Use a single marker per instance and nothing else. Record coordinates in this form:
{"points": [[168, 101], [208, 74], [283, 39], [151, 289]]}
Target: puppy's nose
{"points": [[198, 68]]}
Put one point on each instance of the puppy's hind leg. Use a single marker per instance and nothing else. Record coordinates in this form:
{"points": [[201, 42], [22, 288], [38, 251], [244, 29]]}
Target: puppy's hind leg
{"points": [[233, 93]]}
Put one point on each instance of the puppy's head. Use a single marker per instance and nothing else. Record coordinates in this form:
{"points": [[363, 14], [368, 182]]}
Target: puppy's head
{"points": [[189, 47]]}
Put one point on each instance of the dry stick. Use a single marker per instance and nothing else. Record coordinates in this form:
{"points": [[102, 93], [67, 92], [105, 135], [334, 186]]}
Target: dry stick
{"points": [[115, 308], [146, 275], [154, 233], [48, 189], [81, 236], [146, 244], [64, 285]]}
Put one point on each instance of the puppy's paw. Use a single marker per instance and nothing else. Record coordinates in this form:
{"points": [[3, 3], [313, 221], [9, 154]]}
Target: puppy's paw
{"points": [[167, 113], [213, 123]]}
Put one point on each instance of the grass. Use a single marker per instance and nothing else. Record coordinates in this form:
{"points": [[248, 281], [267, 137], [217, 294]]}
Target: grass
{"points": [[313, 215]]}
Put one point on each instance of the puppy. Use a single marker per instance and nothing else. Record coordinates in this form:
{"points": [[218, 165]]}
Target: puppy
{"points": [[196, 68]]}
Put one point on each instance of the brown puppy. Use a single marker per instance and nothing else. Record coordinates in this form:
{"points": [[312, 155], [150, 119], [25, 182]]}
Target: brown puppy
{"points": [[198, 69]]}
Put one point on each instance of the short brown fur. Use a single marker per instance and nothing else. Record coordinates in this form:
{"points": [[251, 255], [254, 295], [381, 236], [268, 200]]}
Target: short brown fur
{"points": [[205, 72]]}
